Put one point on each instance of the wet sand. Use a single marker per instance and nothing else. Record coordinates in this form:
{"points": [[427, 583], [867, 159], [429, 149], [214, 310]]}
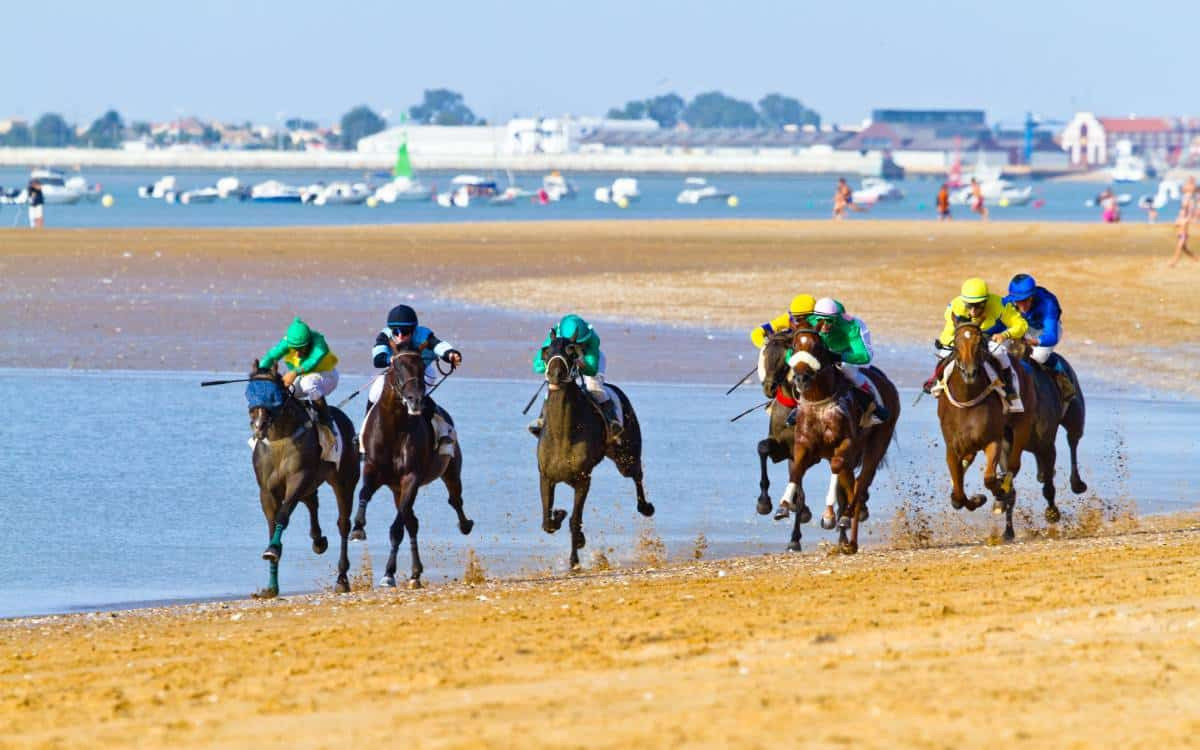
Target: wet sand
{"points": [[212, 299], [1086, 642]]}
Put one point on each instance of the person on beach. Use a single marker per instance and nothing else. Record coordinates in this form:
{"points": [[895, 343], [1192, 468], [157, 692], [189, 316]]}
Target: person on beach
{"points": [[311, 368], [1183, 222], [975, 304], [592, 366], [1110, 212], [841, 199], [36, 201], [404, 332], [1042, 313], [977, 202], [848, 337], [943, 203]]}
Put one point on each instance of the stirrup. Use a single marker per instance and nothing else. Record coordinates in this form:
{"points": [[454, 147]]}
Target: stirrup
{"points": [[535, 427]]}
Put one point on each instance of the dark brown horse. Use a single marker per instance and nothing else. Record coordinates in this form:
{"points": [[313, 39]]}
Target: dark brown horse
{"points": [[398, 443], [575, 439], [972, 412], [781, 436], [288, 466], [1052, 412], [829, 426]]}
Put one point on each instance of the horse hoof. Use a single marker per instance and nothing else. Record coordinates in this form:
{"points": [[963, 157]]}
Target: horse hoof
{"points": [[267, 593], [466, 526], [1041, 477], [1052, 514], [320, 544], [828, 521], [863, 514], [844, 522], [414, 583], [358, 535], [793, 547], [956, 503], [559, 516], [1078, 486], [272, 553], [782, 513], [764, 506], [998, 507], [341, 587], [848, 548], [578, 540], [805, 514], [388, 582], [646, 509], [976, 502], [1009, 535]]}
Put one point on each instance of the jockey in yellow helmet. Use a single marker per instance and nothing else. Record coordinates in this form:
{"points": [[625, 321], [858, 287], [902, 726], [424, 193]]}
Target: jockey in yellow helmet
{"points": [[797, 313], [975, 304]]}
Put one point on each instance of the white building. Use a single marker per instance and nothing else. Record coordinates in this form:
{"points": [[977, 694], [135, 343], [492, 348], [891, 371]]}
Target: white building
{"points": [[525, 135]]}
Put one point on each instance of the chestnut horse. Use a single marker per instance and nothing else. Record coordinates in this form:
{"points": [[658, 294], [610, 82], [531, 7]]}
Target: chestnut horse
{"points": [[781, 436], [974, 417], [398, 444], [289, 469], [574, 440], [828, 426]]}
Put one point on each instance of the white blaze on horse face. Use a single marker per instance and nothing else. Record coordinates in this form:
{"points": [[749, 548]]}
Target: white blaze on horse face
{"points": [[831, 495], [806, 358]]}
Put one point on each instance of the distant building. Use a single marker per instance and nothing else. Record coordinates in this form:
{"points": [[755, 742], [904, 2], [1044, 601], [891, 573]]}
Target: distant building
{"points": [[1092, 141], [966, 119]]}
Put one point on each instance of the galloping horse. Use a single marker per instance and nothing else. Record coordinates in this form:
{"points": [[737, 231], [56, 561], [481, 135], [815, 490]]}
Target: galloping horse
{"points": [[974, 417], [575, 439], [781, 436], [399, 447], [828, 427], [1051, 412], [288, 466]]}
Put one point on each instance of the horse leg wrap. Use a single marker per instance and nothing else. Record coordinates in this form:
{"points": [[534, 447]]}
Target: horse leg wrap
{"points": [[277, 537], [789, 494], [831, 494]]}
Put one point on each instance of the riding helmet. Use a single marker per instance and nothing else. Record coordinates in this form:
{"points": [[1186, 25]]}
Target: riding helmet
{"points": [[827, 307], [402, 316], [298, 334], [974, 290], [1021, 287], [802, 304], [575, 328]]}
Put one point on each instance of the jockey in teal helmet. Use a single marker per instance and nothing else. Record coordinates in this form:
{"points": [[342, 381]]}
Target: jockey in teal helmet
{"points": [[591, 366]]}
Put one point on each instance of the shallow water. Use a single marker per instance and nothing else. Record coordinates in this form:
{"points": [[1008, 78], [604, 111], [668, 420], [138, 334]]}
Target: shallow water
{"points": [[128, 488], [760, 196]]}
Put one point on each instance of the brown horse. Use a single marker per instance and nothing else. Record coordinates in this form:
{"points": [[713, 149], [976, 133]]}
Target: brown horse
{"points": [[973, 414], [781, 436], [288, 466], [575, 439], [398, 443], [828, 426]]}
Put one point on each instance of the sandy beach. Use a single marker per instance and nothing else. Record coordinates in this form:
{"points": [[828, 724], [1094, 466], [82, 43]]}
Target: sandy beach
{"points": [[1081, 637]]}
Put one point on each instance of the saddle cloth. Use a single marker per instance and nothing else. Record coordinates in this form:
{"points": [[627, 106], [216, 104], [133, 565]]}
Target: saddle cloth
{"points": [[617, 408], [331, 442]]}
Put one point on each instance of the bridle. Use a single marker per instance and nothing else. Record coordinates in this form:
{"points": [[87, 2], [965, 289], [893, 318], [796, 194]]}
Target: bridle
{"points": [[976, 352], [569, 361]]}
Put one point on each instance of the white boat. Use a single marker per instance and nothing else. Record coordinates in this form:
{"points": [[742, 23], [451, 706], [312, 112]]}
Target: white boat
{"points": [[404, 185], [227, 186], [996, 192], [1129, 168], [159, 189], [875, 189], [557, 187], [200, 195], [57, 190], [467, 187], [335, 194], [621, 188], [698, 190], [273, 191]]}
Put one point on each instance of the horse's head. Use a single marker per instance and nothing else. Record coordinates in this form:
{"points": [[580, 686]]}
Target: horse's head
{"points": [[772, 362], [562, 361], [969, 347], [265, 397], [809, 356], [406, 378]]}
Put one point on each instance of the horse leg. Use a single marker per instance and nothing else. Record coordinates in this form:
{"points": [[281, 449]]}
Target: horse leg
{"points": [[551, 519], [958, 497], [795, 488], [412, 524], [1045, 466], [829, 517], [344, 491], [452, 478], [643, 507], [319, 542], [581, 486], [395, 536], [1074, 424], [270, 506], [274, 550], [370, 483], [764, 483], [993, 472]]}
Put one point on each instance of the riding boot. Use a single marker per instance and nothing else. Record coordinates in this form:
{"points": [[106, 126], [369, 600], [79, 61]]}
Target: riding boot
{"points": [[614, 426], [535, 427], [1066, 389], [1012, 391], [325, 425]]}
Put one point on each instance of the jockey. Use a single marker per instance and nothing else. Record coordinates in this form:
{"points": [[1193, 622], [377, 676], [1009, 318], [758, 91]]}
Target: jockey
{"points": [[1041, 311], [976, 305], [311, 368], [798, 312], [591, 366], [403, 332], [848, 337]]}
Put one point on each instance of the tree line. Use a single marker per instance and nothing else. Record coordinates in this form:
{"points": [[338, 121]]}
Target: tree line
{"points": [[714, 109]]}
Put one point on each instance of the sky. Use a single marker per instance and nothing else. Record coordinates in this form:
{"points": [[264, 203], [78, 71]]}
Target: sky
{"points": [[267, 61]]}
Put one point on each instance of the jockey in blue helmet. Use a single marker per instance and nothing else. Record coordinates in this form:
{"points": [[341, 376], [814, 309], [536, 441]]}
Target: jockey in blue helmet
{"points": [[1040, 309]]}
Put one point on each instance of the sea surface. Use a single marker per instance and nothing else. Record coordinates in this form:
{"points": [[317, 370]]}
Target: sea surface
{"points": [[129, 488], [759, 197]]}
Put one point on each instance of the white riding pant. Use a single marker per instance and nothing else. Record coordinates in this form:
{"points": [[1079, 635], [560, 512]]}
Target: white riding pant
{"points": [[855, 375], [375, 392], [1039, 354], [595, 383], [315, 385]]}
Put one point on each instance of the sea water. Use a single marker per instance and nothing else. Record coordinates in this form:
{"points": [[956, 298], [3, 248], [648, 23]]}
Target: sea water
{"points": [[121, 488]]}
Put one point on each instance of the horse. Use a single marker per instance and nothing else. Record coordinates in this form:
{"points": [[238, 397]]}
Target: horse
{"points": [[575, 439], [398, 444], [828, 426], [781, 436], [974, 417], [289, 468], [1052, 412]]}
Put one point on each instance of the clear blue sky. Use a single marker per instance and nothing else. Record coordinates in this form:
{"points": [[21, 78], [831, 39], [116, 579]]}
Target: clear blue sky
{"points": [[248, 59]]}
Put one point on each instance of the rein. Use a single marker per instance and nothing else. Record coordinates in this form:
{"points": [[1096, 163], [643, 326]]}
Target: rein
{"points": [[995, 386]]}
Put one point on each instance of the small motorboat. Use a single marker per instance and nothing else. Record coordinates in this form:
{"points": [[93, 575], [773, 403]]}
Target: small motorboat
{"points": [[58, 190], [467, 187], [622, 189], [336, 194], [998, 192], [698, 190], [159, 189], [273, 191], [875, 189], [200, 195], [403, 190], [557, 187]]}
